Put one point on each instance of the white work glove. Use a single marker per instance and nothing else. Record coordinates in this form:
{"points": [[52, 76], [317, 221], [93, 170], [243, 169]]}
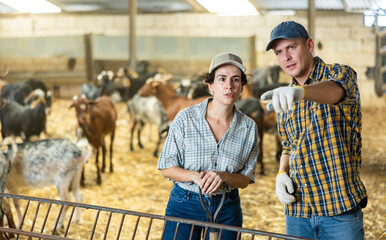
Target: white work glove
{"points": [[282, 98], [284, 188]]}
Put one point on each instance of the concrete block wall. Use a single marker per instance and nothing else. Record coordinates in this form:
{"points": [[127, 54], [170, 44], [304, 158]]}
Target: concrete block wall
{"points": [[343, 37]]}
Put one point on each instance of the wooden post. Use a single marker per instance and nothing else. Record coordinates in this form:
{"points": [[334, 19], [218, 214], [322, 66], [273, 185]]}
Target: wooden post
{"points": [[311, 19], [88, 58], [132, 33], [252, 51]]}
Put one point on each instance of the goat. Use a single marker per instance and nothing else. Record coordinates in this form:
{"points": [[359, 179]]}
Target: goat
{"points": [[46, 162], [251, 107], [24, 121], [127, 82], [146, 110], [5, 166], [97, 118], [92, 92], [19, 91], [168, 97]]}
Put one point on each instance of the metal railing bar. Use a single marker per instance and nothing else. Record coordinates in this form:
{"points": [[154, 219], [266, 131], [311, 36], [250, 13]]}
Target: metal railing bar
{"points": [[231, 228], [46, 217], [35, 217], [206, 231], [176, 232], [135, 228], [149, 228], [25, 214], [107, 225], [120, 226], [81, 205], [191, 232], [20, 232], [69, 221], [219, 237], [57, 220], [95, 224], [163, 229]]}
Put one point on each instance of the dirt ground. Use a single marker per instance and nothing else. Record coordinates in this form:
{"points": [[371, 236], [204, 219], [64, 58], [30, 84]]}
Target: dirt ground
{"points": [[137, 185]]}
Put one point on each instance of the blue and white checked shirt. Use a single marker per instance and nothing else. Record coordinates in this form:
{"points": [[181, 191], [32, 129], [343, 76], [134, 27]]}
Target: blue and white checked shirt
{"points": [[191, 145]]}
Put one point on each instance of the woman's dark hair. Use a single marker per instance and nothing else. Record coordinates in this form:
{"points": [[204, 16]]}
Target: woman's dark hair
{"points": [[209, 77]]}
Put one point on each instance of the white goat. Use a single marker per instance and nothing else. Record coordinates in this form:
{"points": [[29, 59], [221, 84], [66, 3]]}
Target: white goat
{"points": [[47, 162], [146, 110]]}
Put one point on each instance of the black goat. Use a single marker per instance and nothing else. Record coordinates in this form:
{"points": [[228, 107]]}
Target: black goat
{"points": [[19, 91], [24, 121], [127, 82]]}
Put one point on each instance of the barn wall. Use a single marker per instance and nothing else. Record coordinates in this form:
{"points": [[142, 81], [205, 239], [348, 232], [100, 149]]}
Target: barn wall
{"points": [[342, 35]]}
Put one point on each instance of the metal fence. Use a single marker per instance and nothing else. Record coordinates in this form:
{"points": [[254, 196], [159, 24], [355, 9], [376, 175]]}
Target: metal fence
{"points": [[41, 216]]}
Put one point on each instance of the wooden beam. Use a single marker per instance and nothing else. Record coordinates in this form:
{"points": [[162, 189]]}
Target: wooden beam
{"points": [[196, 6], [346, 6], [258, 8]]}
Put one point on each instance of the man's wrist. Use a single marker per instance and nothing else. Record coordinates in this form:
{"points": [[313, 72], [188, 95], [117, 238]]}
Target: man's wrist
{"points": [[281, 172]]}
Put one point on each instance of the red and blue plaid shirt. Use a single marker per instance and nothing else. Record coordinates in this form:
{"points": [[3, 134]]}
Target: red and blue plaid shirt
{"points": [[324, 147]]}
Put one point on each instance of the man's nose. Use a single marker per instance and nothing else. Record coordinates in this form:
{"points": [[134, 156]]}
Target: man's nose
{"points": [[287, 55]]}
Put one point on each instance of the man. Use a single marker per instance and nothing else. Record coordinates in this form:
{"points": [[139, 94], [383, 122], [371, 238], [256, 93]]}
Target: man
{"points": [[319, 120]]}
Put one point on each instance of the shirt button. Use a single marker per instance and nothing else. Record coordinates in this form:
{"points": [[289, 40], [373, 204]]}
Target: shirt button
{"points": [[305, 184], [215, 164]]}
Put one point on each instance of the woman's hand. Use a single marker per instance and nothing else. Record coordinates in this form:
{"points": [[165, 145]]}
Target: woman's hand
{"points": [[211, 181]]}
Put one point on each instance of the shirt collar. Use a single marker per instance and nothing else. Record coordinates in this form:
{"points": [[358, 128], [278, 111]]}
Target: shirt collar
{"points": [[315, 74], [237, 116]]}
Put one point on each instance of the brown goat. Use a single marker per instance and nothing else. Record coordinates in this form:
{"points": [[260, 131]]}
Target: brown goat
{"points": [[168, 97], [97, 119]]}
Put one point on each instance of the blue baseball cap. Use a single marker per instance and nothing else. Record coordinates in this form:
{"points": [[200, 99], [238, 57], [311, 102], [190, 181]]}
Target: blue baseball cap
{"points": [[288, 30]]}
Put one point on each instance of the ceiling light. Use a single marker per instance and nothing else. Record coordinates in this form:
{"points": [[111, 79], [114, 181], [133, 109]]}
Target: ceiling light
{"points": [[229, 7], [32, 6]]}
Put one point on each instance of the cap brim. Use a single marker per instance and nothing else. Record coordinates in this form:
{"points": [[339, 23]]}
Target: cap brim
{"points": [[269, 46], [237, 64]]}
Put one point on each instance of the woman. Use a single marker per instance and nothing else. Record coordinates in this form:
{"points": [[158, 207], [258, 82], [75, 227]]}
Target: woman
{"points": [[208, 145]]}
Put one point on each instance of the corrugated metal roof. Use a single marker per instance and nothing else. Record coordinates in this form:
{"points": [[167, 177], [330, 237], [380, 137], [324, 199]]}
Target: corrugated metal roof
{"points": [[159, 6]]}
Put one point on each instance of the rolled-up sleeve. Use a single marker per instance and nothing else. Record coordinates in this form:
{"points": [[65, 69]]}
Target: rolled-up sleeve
{"points": [[174, 147], [250, 166], [346, 78]]}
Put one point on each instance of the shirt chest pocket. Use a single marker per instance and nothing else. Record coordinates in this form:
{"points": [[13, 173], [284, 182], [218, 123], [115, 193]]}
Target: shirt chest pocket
{"points": [[296, 122]]}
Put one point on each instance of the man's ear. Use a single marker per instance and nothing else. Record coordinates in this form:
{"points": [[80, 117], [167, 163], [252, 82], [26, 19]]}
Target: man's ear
{"points": [[310, 45]]}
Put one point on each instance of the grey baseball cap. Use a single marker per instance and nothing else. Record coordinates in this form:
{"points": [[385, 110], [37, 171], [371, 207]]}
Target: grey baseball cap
{"points": [[288, 30], [226, 58]]}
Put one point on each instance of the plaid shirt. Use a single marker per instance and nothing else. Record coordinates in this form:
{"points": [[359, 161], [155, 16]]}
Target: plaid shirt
{"points": [[191, 145], [324, 147]]}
